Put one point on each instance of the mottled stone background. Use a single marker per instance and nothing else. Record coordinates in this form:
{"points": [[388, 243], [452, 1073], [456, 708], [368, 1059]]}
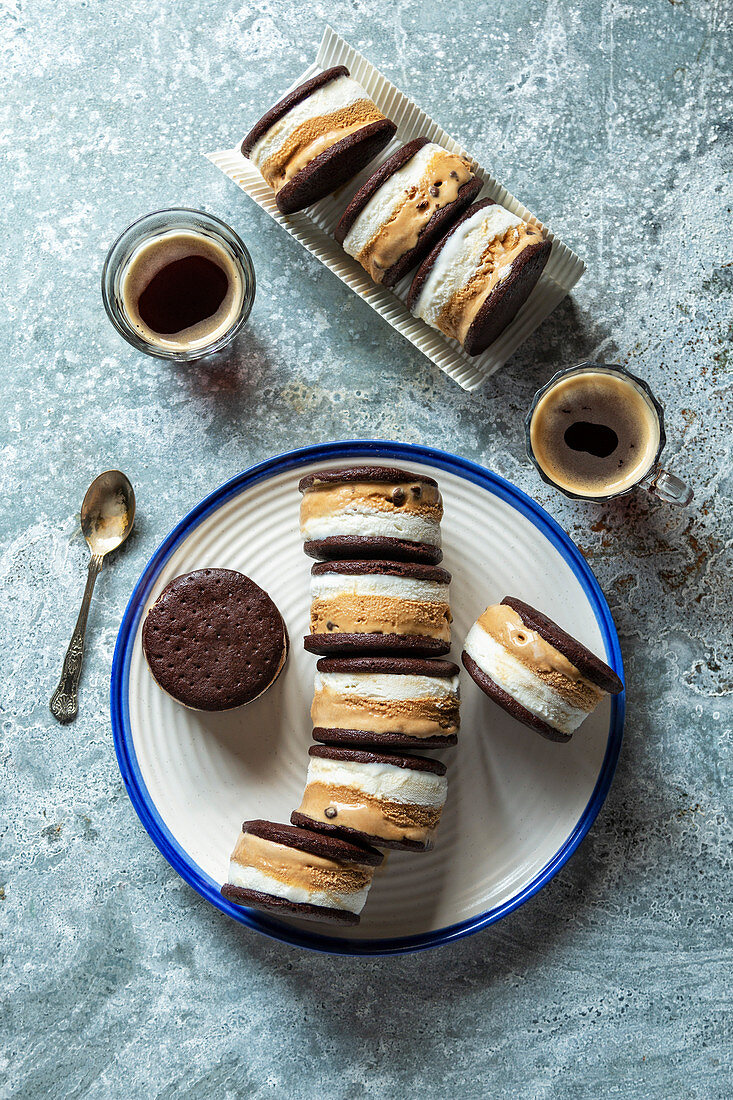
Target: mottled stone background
{"points": [[610, 120]]}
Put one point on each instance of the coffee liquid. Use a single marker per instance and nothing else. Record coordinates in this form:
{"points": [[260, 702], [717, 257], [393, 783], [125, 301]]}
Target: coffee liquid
{"points": [[181, 290], [595, 434], [182, 294]]}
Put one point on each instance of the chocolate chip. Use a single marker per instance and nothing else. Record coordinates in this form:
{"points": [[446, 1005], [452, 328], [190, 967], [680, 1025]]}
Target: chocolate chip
{"points": [[330, 625], [330, 811], [434, 191], [416, 490], [398, 496], [454, 175], [422, 205]]}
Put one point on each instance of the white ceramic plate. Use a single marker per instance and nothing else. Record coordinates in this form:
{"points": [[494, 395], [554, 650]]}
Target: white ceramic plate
{"points": [[518, 805]]}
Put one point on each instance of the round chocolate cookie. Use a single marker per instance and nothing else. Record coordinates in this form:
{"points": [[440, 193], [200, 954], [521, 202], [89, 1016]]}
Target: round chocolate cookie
{"points": [[510, 704], [363, 473], [331, 168], [332, 848], [282, 907], [395, 666], [408, 569], [438, 221], [586, 662], [442, 707], [363, 546], [504, 301], [392, 645], [389, 741], [368, 757], [214, 640]]}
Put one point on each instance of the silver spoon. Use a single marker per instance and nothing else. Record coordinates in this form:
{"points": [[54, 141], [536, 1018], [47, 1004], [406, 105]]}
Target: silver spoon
{"points": [[107, 515]]}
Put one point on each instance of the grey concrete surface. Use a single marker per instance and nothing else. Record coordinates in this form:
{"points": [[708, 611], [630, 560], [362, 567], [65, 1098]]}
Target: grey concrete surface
{"points": [[613, 122]]}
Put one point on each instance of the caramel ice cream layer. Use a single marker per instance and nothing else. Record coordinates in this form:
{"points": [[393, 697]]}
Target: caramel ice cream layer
{"points": [[423, 717], [507, 628], [293, 867], [355, 809], [496, 262], [350, 613]]}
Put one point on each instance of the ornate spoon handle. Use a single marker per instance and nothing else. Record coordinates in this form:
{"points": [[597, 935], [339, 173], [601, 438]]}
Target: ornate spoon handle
{"points": [[65, 699]]}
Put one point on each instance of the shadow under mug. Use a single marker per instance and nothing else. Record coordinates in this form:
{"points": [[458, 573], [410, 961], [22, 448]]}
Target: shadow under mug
{"points": [[656, 480]]}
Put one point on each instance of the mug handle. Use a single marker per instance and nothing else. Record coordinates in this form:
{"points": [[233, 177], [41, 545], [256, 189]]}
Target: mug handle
{"points": [[666, 486]]}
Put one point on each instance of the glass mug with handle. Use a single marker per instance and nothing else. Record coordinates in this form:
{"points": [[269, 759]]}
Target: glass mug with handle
{"points": [[596, 431]]}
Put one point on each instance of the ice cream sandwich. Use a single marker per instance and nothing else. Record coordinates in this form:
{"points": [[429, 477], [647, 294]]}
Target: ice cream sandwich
{"points": [[479, 275], [386, 799], [371, 512], [316, 138], [386, 702], [214, 640], [379, 607], [535, 670], [296, 872], [404, 207]]}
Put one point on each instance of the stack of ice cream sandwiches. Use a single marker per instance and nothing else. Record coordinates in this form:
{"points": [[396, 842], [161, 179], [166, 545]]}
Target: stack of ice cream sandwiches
{"points": [[380, 623], [478, 262]]}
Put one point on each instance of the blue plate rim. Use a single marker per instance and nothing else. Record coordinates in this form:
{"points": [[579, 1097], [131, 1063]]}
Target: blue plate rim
{"points": [[141, 800]]}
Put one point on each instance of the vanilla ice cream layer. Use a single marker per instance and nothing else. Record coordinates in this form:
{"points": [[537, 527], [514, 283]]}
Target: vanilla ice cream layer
{"points": [[327, 585], [338, 93], [521, 683], [387, 686], [388, 199], [251, 878], [386, 782], [459, 258], [369, 523]]}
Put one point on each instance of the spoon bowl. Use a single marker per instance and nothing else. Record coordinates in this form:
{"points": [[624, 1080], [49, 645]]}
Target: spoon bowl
{"points": [[107, 512]]}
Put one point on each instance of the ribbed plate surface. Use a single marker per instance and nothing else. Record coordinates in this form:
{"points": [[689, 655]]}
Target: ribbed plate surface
{"points": [[516, 802], [314, 226]]}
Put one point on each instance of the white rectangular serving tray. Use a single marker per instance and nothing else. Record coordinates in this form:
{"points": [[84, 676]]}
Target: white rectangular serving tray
{"points": [[314, 226]]}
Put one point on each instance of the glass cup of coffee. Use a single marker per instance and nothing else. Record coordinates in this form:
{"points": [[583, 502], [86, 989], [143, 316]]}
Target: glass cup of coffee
{"points": [[178, 284], [596, 432]]}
